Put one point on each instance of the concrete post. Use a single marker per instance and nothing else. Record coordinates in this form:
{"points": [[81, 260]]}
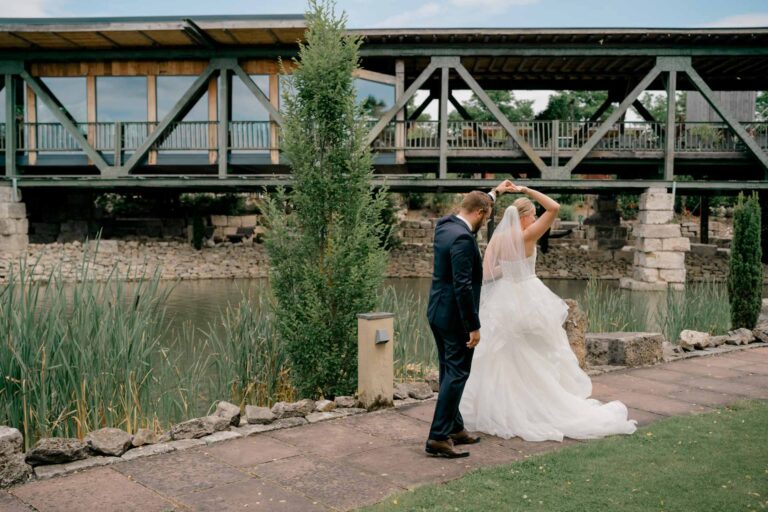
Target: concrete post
{"points": [[14, 227], [375, 363]]}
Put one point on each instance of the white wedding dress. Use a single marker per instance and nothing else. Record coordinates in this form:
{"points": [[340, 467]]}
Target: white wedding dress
{"points": [[525, 379]]}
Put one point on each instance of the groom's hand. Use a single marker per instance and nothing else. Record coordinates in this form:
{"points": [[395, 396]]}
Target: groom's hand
{"points": [[474, 339], [505, 187]]}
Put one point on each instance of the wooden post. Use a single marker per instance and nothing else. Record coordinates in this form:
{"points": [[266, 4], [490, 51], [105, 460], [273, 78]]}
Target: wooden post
{"points": [[91, 114], [151, 113], [704, 218], [31, 133], [118, 144], [223, 121], [555, 144], [400, 116], [274, 133], [669, 143], [213, 117], [443, 170], [11, 130]]}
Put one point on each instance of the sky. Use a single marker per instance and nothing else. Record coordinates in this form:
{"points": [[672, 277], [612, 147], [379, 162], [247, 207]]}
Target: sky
{"points": [[437, 14]]}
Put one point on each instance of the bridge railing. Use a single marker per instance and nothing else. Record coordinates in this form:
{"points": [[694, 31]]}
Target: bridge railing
{"points": [[478, 136]]}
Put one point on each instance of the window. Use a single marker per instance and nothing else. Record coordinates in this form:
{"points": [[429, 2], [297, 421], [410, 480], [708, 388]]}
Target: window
{"points": [[70, 92], [376, 97], [245, 106], [170, 90], [121, 98]]}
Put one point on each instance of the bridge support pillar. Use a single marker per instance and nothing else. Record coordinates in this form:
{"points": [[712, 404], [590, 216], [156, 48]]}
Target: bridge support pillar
{"points": [[660, 248], [604, 229], [14, 227]]}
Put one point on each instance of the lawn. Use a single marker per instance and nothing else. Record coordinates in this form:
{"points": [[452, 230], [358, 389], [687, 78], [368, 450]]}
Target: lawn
{"points": [[710, 462]]}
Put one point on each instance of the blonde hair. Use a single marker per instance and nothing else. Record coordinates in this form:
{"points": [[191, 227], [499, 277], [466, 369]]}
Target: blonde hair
{"points": [[524, 206]]}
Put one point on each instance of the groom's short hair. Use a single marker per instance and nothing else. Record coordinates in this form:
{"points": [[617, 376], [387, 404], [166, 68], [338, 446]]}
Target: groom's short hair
{"points": [[476, 200]]}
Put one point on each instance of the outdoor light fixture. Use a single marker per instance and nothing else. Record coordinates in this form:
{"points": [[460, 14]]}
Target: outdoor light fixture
{"points": [[382, 336]]}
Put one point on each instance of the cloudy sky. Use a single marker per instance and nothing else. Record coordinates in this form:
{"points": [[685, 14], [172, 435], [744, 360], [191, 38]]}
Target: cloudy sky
{"points": [[436, 13]]}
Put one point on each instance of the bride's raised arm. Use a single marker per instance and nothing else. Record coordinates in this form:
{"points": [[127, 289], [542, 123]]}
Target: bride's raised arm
{"points": [[543, 223]]}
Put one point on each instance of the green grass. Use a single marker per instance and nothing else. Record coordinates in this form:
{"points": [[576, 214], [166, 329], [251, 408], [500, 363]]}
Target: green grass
{"points": [[714, 462]]}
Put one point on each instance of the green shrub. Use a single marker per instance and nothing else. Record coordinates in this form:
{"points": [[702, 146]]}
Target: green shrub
{"points": [[745, 278], [628, 206], [567, 212], [326, 263]]}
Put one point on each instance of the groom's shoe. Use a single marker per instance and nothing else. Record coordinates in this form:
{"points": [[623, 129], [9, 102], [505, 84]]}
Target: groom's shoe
{"points": [[443, 449], [464, 437]]}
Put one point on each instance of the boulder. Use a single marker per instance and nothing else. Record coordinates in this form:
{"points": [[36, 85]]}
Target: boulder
{"points": [[199, 427], [690, 340], [325, 406], [346, 401], [400, 391], [419, 390], [14, 470], [739, 337], [230, 412], [760, 331], [293, 410], [11, 442], [143, 437], [433, 379], [624, 348], [56, 450], [109, 441], [576, 328], [259, 415]]}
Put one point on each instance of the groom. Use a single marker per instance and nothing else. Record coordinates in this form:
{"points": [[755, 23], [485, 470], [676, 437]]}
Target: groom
{"points": [[453, 309]]}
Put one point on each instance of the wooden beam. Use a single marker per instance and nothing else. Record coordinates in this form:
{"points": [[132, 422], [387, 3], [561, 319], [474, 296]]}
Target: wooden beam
{"points": [[669, 141], [31, 142], [224, 111], [421, 108], [213, 117], [400, 117], [91, 114], [734, 124], [501, 118], [67, 121], [11, 130], [374, 76], [459, 107], [152, 111], [443, 137], [606, 125], [399, 104], [178, 111], [258, 93]]}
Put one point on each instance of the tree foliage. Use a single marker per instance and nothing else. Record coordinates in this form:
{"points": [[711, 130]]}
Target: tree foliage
{"points": [[326, 261], [745, 279], [514, 109]]}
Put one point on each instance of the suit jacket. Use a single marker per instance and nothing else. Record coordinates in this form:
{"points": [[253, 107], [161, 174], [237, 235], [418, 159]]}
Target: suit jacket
{"points": [[454, 298]]}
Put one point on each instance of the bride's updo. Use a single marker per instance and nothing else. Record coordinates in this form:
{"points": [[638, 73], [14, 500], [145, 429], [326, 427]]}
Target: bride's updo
{"points": [[524, 206]]}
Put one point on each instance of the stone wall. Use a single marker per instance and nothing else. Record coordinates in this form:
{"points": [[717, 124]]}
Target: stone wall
{"points": [[13, 222]]}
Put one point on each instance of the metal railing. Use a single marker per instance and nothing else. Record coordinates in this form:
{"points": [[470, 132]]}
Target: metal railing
{"points": [[472, 136]]}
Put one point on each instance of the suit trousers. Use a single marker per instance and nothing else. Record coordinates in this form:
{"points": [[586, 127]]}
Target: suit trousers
{"points": [[455, 364]]}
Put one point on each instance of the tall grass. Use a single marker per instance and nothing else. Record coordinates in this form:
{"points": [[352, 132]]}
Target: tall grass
{"points": [[414, 351], [701, 307], [610, 309]]}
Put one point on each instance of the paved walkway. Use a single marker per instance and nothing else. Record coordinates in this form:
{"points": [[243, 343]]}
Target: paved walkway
{"points": [[359, 460]]}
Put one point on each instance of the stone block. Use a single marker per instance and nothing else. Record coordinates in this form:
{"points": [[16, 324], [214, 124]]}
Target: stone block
{"points": [[14, 226], [676, 244], [13, 211], [624, 255], [656, 201], [235, 221], [219, 221], [655, 216], [628, 283], [661, 259], [624, 348], [657, 231], [248, 221], [649, 244], [646, 275], [6, 195], [708, 250], [672, 275], [13, 244]]}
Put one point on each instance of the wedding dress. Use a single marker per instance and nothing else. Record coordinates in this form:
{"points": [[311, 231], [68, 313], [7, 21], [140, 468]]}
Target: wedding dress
{"points": [[525, 379]]}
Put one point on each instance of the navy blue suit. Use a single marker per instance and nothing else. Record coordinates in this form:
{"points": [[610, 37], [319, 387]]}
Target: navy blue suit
{"points": [[453, 312]]}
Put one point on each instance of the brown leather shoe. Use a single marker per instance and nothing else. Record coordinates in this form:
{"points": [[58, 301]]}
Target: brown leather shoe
{"points": [[464, 437], [443, 449]]}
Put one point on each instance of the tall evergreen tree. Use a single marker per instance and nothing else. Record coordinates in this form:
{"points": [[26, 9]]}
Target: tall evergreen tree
{"points": [[745, 279], [326, 262]]}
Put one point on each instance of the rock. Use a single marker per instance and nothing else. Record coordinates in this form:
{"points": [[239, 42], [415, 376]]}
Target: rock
{"points": [[763, 312], [11, 442], [668, 350], [716, 341], [14, 470], [218, 437], [433, 379], [56, 450], [290, 422], [761, 330], [199, 427], [146, 451], [293, 410], [109, 441], [740, 337], [346, 401], [144, 436], [400, 391], [624, 348], [317, 417], [259, 415], [690, 340], [324, 406], [576, 328], [229, 411], [419, 390]]}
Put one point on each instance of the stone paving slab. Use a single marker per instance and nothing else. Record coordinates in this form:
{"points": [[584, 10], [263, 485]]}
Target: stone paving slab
{"points": [[96, 489], [349, 462]]}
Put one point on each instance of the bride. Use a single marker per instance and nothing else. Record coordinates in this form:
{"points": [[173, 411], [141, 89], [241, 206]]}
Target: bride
{"points": [[525, 380]]}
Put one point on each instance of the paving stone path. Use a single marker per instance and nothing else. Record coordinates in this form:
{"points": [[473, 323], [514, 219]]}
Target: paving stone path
{"points": [[359, 460]]}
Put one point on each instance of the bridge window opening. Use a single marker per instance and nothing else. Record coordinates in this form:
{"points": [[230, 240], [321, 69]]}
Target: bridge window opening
{"points": [[249, 129]]}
